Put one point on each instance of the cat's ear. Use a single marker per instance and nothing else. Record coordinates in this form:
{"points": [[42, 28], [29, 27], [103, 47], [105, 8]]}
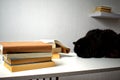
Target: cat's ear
{"points": [[74, 43]]}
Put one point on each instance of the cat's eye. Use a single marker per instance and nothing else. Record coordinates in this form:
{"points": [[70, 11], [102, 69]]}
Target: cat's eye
{"points": [[74, 42]]}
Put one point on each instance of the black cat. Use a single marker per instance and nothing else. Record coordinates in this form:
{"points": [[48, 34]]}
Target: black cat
{"points": [[98, 43]]}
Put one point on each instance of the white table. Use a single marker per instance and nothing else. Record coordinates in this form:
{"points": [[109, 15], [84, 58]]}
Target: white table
{"points": [[68, 65]]}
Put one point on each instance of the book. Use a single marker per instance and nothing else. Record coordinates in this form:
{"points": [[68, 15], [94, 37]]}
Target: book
{"points": [[56, 56], [49, 41], [25, 60], [57, 44], [64, 49], [34, 46], [56, 50], [22, 67], [20, 55], [103, 9]]}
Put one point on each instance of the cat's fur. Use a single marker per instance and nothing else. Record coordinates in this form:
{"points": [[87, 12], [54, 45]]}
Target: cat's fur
{"points": [[98, 43]]}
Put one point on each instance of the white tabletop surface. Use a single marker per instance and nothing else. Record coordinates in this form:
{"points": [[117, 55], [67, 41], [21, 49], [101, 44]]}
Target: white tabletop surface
{"points": [[69, 64]]}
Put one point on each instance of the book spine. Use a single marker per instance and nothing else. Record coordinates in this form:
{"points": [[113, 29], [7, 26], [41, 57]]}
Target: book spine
{"points": [[26, 60], [104, 7], [15, 68], [102, 10], [27, 49], [27, 55]]}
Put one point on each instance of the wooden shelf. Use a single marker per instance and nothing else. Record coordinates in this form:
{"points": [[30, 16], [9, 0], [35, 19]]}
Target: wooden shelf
{"points": [[105, 15]]}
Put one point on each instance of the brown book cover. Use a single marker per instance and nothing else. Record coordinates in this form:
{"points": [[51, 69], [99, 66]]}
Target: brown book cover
{"points": [[35, 46], [103, 9], [26, 60], [56, 50], [22, 67]]}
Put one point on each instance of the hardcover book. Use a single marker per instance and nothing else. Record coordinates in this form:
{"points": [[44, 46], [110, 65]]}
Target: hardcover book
{"points": [[22, 67], [25, 60], [26, 47], [20, 55]]}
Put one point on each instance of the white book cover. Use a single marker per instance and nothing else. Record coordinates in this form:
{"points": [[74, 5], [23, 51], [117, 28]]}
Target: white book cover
{"points": [[27, 55]]}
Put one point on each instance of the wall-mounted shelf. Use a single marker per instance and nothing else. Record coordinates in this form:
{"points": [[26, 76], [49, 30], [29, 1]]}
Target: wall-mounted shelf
{"points": [[105, 15]]}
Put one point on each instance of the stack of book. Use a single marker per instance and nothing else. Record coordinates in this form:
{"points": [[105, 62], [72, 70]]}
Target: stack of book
{"points": [[19, 56], [103, 9]]}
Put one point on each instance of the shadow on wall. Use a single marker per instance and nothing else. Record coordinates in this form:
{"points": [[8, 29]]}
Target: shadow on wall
{"points": [[110, 23]]}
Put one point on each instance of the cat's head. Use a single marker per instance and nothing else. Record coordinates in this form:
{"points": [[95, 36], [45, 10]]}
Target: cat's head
{"points": [[81, 46]]}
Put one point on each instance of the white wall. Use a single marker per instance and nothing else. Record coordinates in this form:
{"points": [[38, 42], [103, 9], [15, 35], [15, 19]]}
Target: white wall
{"points": [[65, 20]]}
